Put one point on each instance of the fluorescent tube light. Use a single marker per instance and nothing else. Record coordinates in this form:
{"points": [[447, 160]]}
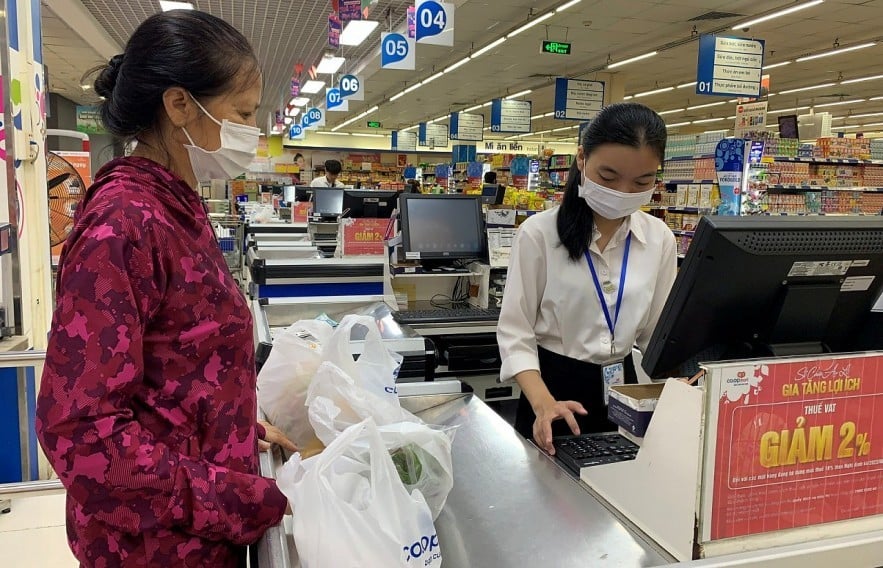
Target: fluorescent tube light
{"points": [[778, 14], [685, 85], [287, 120], [488, 47], [567, 5], [167, 5], [861, 79], [312, 87], [731, 117], [632, 60], [654, 92], [865, 115], [412, 88], [678, 124], [774, 65], [628, 97], [396, 96], [516, 95], [473, 108], [330, 65], [334, 133], [357, 31], [792, 109], [536, 117], [530, 24], [811, 87], [837, 51], [548, 114], [838, 103], [845, 127], [365, 135], [707, 105], [672, 111], [706, 120], [432, 78], [872, 124], [562, 128], [463, 61], [299, 101]]}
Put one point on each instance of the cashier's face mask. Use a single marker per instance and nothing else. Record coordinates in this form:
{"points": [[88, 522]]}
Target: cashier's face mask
{"points": [[239, 143], [609, 203]]}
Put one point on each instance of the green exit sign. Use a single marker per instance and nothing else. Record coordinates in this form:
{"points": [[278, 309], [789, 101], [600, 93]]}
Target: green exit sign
{"points": [[374, 124], [556, 47]]}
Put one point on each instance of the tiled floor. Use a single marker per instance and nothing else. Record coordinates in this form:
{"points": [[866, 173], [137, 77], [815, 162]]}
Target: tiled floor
{"points": [[32, 534]]}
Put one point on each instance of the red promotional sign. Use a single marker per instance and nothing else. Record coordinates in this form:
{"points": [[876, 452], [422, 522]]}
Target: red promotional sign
{"points": [[798, 444], [363, 236], [301, 212]]}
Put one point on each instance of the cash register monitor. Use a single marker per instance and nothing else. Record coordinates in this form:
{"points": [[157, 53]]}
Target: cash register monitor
{"points": [[492, 193], [369, 204], [289, 194], [755, 287], [303, 193], [327, 202], [438, 228]]}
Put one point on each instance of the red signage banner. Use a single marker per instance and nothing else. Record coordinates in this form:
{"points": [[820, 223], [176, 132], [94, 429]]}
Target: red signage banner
{"points": [[798, 443], [301, 212], [364, 236]]}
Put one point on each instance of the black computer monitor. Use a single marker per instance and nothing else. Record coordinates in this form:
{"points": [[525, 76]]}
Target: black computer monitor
{"points": [[441, 227], [788, 127], [492, 193], [754, 287], [327, 202], [372, 204], [303, 193]]}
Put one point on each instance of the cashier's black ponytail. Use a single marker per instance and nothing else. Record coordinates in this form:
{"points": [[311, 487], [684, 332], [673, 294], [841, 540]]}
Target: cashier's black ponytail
{"points": [[628, 124]]}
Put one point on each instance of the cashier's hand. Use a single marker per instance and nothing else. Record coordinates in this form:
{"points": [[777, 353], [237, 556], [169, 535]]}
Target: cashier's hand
{"points": [[275, 436], [556, 410]]}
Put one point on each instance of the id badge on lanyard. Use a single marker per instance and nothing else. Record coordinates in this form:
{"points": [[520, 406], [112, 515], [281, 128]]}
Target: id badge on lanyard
{"points": [[614, 373]]}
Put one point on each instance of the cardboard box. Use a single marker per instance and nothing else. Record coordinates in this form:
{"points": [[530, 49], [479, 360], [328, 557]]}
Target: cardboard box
{"points": [[631, 406]]}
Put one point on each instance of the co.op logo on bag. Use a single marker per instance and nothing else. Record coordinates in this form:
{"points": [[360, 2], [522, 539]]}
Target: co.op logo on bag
{"points": [[424, 548]]}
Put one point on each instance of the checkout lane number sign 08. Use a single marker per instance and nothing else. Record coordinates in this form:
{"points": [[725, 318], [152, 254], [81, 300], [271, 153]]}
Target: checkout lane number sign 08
{"points": [[397, 52]]}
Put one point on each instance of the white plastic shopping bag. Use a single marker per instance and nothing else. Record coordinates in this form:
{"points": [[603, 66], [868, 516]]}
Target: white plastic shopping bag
{"points": [[377, 367], [286, 376], [352, 511], [421, 453]]}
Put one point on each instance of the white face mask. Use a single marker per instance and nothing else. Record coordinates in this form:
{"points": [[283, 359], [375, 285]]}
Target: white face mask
{"points": [[612, 204], [239, 143]]}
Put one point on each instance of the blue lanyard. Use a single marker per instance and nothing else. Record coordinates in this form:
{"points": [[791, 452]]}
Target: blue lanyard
{"points": [[611, 324]]}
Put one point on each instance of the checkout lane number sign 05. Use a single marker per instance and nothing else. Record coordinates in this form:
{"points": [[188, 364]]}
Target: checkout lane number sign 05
{"points": [[397, 52], [435, 23]]}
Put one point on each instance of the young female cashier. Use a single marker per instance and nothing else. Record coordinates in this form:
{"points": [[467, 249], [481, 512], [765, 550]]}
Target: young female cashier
{"points": [[588, 280]]}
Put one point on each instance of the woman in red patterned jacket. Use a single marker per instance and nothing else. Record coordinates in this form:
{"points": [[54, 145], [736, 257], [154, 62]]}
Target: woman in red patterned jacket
{"points": [[147, 406]]}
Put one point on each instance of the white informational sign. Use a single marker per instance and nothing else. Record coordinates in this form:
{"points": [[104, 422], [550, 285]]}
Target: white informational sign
{"points": [[313, 118], [468, 127], [334, 101], [509, 147], [750, 117], [729, 66], [435, 23], [397, 51], [578, 100], [433, 135], [510, 116], [295, 132], [404, 141], [352, 87]]}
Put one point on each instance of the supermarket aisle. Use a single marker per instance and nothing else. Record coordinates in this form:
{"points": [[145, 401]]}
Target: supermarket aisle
{"points": [[32, 534]]}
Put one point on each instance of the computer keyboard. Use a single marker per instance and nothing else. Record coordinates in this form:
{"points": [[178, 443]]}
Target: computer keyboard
{"points": [[447, 315], [586, 450]]}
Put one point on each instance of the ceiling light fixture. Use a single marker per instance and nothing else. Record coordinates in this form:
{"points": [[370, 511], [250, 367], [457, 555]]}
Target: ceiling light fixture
{"points": [[631, 60], [488, 47], [706, 120], [811, 87], [774, 65], [530, 24], [838, 103], [792, 109], [355, 118], [365, 135], [562, 128], [396, 96], [837, 51], [516, 95], [432, 78], [166, 5], [357, 31], [778, 14], [628, 97], [654, 92], [865, 115], [333, 133], [292, 112], [872, 124], [463, 61], [312, 87], [287, 120], [861, 79], [685, 85], [707, 105], [676, 124], [299, 101], [330, 65], [567, 5], [672, 111], [846, 127]]}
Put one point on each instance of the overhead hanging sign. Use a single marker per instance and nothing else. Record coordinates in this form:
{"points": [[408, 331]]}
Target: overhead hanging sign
{"points": [[295, 132], [432, 135], [295, 88], [750, 117], [468, 127], [349, 10], [555, 47], [352, 87], [729, 66], [412, 22], [334, 102], [510, 116], [89, 120], [435, 23], [578, 100], [313, 118], [334, 27], [404, 141], [397, 52], [509, 147]]}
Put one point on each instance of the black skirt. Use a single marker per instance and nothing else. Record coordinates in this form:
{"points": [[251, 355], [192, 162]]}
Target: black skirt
{"points": [[571, 379]]}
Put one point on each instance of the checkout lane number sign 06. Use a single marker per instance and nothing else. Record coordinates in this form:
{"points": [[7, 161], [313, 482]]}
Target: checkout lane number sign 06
{"points": [[397, 52], [351, 88]]}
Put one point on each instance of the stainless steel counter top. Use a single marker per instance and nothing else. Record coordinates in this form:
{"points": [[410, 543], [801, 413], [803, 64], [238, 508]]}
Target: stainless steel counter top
{"points": [[511, 505]]}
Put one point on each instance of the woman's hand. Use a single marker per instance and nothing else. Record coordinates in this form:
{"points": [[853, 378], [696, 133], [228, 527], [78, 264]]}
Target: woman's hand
{"points": [[274, 436], [549, 412]]}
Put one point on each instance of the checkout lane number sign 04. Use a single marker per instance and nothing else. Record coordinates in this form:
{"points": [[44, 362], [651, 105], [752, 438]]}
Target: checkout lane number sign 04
{"points": [[397, 52], [435, 23]]}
